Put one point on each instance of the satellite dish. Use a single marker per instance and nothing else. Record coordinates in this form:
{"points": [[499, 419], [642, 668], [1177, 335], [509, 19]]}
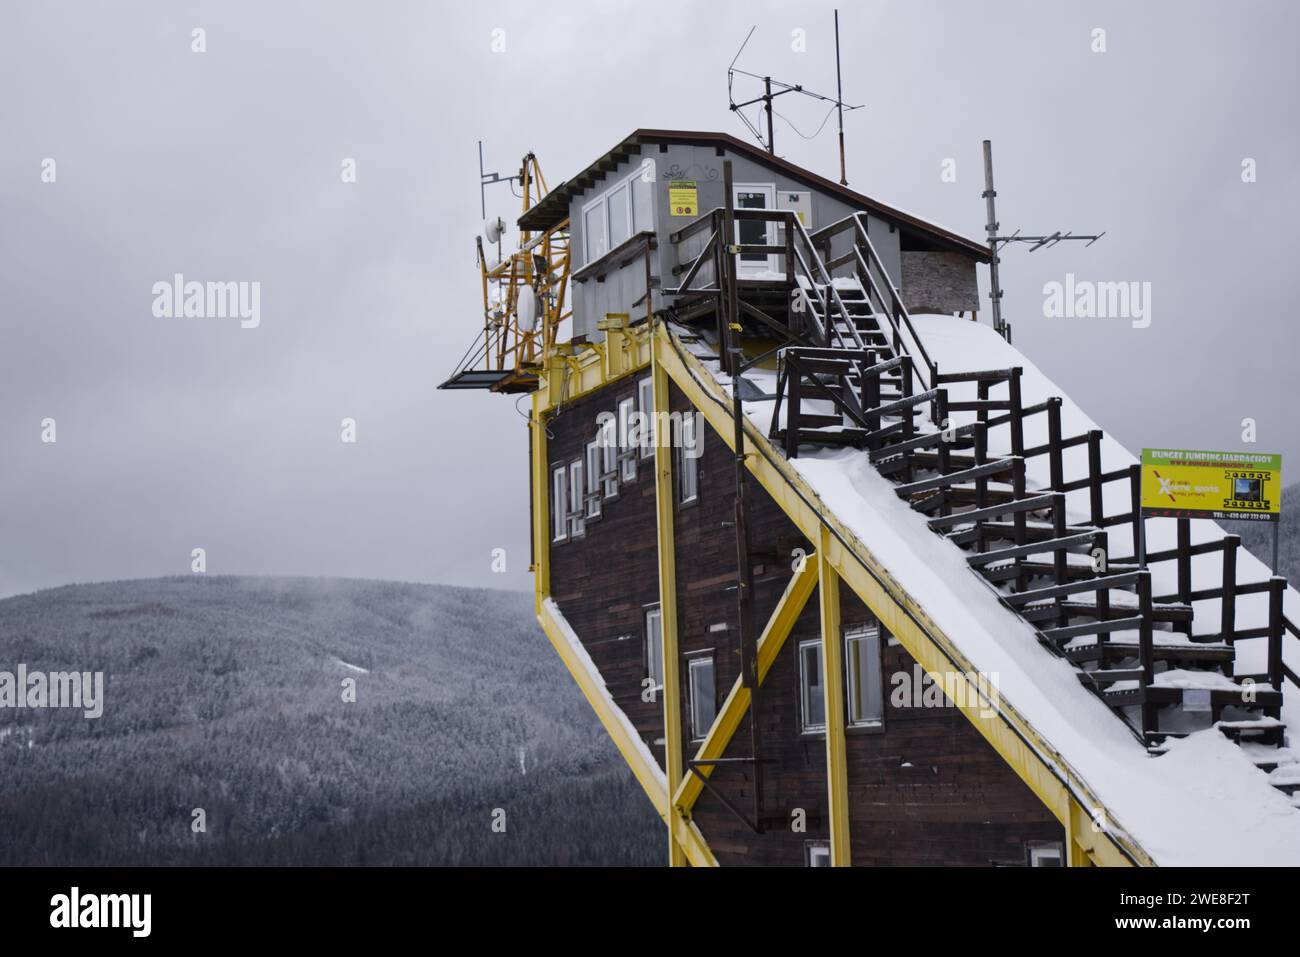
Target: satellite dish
{"points": [[493, 229]]}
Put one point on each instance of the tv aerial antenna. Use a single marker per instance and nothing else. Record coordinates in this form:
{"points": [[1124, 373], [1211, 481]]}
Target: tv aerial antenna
{"points": [[497, 226], [996, 242], [774, 88]]}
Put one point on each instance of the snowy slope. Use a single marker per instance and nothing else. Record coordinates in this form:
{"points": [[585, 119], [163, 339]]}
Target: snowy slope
{"points": [[1203, 802]]}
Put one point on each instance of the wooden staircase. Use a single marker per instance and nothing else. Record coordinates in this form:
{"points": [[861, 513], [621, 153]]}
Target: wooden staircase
{"points": [[1157, 666]]}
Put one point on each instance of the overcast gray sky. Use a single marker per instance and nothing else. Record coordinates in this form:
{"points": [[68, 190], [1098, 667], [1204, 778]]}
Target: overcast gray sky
{"points": [[174, 434]]}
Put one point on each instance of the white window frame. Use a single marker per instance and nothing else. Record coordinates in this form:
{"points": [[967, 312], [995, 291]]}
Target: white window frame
{"points": [[654, 644], [577, 495], [646, 404], [559, 503], [626, 451], [862, 634], [1040, 852], [696, 662], [817, 853], [628, 199], [773, 262], [806, 725], [609, 463], [688, 466], [593, 479]]}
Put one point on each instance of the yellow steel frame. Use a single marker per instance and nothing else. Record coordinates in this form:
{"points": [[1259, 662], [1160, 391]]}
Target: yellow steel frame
{"points": [[668, 600], [733, 710], [1046, 772], [837, 781]]}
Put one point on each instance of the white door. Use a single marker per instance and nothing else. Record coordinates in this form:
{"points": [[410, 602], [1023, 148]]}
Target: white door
{"points": [[751, 232]]}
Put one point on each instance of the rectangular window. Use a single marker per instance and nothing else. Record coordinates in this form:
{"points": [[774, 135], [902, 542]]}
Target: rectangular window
{"points": [[618, 210], [654, 646], [688, 458], [1043, 854], [625, 208], [645, 400], [643, 197], [817, 853], [863, 678], [704, 695], [577, 490], [594, 236], [609, 455], [626, 448], [812, 694], [593, 478], [559, 504]]}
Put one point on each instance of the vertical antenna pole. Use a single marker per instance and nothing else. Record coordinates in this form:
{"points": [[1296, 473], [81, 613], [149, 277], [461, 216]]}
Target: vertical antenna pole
{"points": [[482, 201], [839, 98], [995, 289], [767, 105]]}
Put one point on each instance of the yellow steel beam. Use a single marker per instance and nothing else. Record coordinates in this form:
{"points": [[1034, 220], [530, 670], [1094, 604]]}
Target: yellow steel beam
{"points": [[623, 734], [541, 491], [668, 599], [1046, 772], [837, 781], [770, 643]]}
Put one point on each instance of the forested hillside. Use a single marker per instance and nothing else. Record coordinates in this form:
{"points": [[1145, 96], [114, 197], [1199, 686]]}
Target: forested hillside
{"points": [[227, 694]]}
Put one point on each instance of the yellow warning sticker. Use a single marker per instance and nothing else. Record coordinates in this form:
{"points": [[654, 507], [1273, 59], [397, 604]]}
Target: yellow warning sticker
{"points": [[683, 198]]}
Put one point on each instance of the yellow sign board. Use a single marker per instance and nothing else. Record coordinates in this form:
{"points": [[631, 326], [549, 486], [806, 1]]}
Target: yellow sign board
{"points": [[683, 198], [1180, 483]]}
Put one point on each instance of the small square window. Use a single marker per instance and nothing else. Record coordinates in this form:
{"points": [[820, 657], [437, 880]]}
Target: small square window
{"points": [[645, 398], [817, 853], [690, 448], [593, 479], [654, 646], [577, 495], [1044, 854], [609, 456], [703, 695], [863, 678], [559, 504], [626, 435], [812, 694]]}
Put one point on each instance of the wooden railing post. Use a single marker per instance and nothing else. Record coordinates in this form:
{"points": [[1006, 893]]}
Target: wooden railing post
{"points": [[1021, 528], [1276, 593], [1054, 443], [1228, 603], [1146, 654], [1135, 493], [1017, 415], [1184, 562], [794, 383], [1058, 556], [1094, 478]]}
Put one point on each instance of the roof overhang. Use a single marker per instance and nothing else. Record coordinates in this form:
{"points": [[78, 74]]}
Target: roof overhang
{"points": [[553, 208]]}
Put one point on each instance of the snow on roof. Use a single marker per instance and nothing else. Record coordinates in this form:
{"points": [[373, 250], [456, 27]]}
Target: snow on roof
{"points": [[1203, 802]]}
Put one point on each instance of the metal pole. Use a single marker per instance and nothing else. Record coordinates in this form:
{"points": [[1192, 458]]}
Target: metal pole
{"points": [[482, 201], [839, 99], [744, 567], [1275, 531], [767, 105], [995, 289]]}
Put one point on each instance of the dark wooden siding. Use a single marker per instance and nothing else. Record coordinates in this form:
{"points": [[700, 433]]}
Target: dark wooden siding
{"points": [[923, 789]]}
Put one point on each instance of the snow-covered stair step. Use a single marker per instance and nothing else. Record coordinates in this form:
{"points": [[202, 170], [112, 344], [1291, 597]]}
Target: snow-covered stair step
{"points": [[1268, 758]]}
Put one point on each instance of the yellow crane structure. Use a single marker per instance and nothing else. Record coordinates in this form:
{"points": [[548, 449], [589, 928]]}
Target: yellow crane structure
{"points": [[525, 299]]}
